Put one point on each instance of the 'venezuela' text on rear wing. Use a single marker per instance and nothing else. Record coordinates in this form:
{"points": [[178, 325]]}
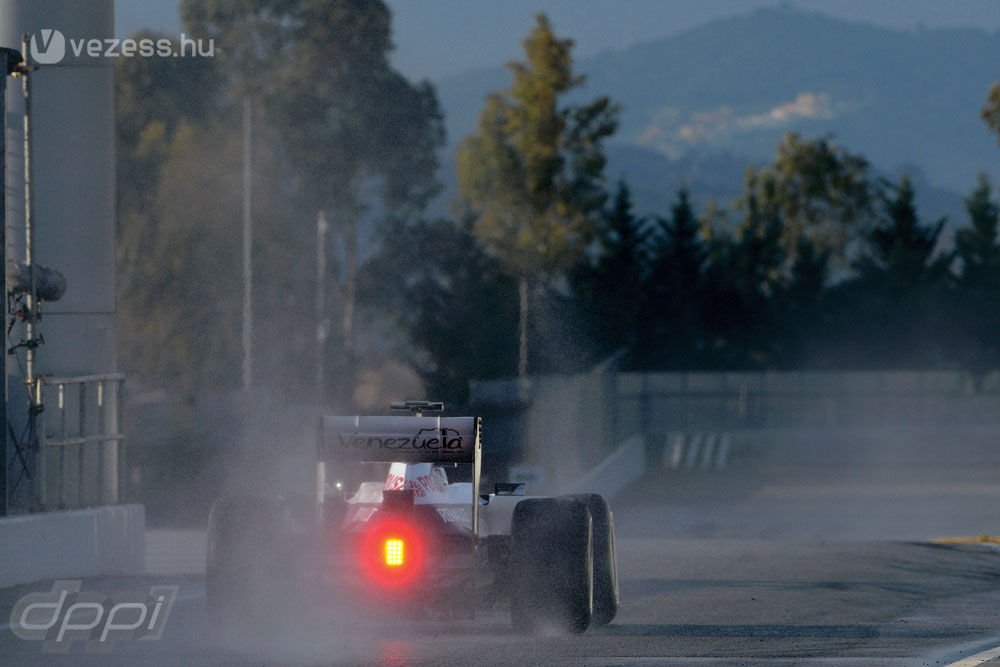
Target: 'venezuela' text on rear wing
{"points": [[407, 439]]}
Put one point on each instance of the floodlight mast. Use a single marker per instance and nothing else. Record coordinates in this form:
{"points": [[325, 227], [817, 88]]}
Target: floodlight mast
{"points": [[13, 63]]}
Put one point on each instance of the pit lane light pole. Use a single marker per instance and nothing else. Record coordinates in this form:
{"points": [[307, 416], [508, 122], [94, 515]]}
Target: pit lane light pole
{"points": [[31, 316], [322, 323], [247, 248], [12, 62]]}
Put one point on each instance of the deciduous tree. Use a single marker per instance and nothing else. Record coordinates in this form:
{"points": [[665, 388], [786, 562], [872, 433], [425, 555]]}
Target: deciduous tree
{"points": [[359, 139], [990, 112], [533, 172], [822, 192]]}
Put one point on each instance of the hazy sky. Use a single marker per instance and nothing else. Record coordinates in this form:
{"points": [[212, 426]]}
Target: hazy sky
{"points": [[435, 38]]}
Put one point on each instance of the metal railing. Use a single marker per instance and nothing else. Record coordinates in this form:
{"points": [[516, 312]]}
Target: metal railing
{"points": [[81, 448]]}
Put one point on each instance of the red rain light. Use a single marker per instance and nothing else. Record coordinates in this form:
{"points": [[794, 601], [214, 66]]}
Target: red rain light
{"points": [[395, 552], [391, 552]]}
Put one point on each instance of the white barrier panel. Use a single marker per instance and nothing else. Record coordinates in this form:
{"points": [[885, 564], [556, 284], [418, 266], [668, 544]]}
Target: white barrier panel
{"points": [[707, 451], [615, 473], [89, 542]]}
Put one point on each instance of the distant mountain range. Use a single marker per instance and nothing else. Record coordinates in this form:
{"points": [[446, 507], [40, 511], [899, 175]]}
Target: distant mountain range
{"points": [[701, 105]]}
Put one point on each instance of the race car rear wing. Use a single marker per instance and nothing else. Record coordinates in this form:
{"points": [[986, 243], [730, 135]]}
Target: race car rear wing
{"points": [[404, 439]]}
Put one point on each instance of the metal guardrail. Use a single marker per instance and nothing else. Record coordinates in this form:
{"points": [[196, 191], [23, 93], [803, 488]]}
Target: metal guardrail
{"points": [[81, 448]]}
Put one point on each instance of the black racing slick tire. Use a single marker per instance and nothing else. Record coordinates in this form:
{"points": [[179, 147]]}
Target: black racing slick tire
{"points": [[248, 562], [551, 565], [606, 593]]}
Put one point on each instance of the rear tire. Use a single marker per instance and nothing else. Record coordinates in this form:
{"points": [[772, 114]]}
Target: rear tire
{"points": [[551, 565], [606, 594]]}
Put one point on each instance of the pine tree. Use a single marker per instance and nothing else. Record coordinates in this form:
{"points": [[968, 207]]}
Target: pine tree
{"points": [[901, 249], [610, 288], [671, 321], [891, 312], [977, 315], [802, 309], [978, 246]]}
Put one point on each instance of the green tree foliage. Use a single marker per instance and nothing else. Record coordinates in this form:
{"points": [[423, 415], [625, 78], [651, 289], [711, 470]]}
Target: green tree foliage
{"points": [[345, 115], [356, 135], [339, 130], [191, 318], [991, 110], [671, 324], [978, 246], [153, 97], [453, 300], [900, 250], [809, 209], [612, 283], [822, 192], [533, 172], [888, 313], [180, 277], [745, 272], [335, 128], [977, 315], [802, 309], [351, 124], [173, 290]]}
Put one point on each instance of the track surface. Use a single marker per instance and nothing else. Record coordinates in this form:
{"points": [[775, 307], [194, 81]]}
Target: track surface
{"points": [[780, 559]]}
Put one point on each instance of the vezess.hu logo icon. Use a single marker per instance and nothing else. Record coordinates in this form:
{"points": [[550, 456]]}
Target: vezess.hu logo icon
{"points": [[48, 46]]}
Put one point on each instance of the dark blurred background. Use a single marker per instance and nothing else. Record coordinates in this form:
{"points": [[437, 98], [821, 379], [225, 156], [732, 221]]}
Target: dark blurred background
{"points": [[752, 213]]}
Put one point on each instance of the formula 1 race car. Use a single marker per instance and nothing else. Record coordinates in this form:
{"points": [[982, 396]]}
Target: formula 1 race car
{"points": [[404, 526]]}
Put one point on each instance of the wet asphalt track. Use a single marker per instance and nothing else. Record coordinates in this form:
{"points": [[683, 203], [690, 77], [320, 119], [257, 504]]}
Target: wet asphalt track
{"points": [[780, 559]]}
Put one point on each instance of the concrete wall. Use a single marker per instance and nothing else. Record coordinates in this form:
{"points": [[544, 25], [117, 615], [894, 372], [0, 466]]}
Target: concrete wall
{"points": [[79, 543], [615, 473], [564, 429], [657, 403], [562, 424]]}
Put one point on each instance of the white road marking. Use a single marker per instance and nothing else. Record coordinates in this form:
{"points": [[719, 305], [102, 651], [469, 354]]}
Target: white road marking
{"points": [[744, 662], [977, 659]]}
